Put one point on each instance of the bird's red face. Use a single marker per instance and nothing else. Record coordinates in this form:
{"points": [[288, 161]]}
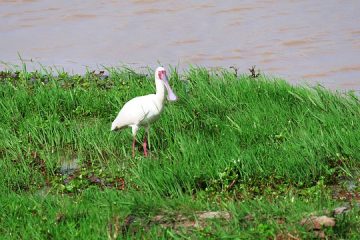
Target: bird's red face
{"points": [[162, 74]]}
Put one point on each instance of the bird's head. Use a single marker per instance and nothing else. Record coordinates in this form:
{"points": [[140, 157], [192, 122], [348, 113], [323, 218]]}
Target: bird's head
{"points": [[160, 75]]}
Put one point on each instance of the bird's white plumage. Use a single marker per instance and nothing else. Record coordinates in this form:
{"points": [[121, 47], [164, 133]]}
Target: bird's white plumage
{"points": [[139, 111], [143, 110]]}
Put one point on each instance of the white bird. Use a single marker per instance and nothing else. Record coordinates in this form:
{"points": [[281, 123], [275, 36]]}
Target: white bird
{"points": [[144, 110]]}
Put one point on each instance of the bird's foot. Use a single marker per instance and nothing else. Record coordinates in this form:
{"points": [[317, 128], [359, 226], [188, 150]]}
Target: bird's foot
{"points": [[145, 149]]}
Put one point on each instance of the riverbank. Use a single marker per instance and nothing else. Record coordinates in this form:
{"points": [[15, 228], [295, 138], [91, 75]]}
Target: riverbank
{"points": [[261, 155]]}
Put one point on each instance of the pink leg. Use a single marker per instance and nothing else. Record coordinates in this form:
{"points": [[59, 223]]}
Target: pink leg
{"points": [[133, 147], [144, 147]]}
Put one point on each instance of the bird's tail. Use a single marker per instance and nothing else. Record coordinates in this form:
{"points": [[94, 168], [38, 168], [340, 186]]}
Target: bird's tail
{"points": [[113, 127], [116, 125]]}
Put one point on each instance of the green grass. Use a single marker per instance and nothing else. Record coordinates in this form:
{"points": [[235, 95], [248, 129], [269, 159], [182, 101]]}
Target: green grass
{"points": [[254, 147]]}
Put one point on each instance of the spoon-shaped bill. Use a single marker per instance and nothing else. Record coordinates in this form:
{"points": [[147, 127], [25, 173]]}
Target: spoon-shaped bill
{"points": [[171, 95]]}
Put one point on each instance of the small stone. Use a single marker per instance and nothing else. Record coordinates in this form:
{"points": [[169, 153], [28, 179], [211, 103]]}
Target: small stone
{"points": [[158, 218], [320, 234], [316, 223], [211, 215], [249, 217], [340, 210]]}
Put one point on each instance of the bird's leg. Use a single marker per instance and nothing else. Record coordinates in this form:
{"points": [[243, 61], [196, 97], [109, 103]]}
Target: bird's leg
{"points": [[148, 136], [134, 129], [144, 147], [133, 147], [145, 141]]}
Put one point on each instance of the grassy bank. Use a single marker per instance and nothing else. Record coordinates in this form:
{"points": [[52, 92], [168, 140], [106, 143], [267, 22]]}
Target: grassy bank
{"points": [[266, 153]]}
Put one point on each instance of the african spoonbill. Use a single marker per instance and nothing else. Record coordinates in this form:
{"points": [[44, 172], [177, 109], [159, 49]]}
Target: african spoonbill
{"points": [[144, 110]]}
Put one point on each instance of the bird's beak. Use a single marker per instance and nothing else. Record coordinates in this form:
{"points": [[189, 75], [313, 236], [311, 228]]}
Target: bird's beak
{"points": [[171, 95]]}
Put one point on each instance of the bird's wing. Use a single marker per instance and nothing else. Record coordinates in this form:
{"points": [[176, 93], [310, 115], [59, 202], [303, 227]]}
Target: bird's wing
{"points": [[132, 113]]}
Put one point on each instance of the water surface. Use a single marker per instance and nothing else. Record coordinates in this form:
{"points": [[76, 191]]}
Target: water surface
{"points": [[303, 41]]}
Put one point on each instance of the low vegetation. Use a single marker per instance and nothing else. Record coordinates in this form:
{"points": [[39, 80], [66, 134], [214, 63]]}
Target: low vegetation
{"points": [[236, 156]]}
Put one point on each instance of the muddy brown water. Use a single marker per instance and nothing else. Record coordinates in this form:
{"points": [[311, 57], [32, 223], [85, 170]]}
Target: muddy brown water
{"points": [[303, 41]]}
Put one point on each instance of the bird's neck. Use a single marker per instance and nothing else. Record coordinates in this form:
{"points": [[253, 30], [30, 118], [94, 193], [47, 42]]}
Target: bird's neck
{"points": [[160, 90]]}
